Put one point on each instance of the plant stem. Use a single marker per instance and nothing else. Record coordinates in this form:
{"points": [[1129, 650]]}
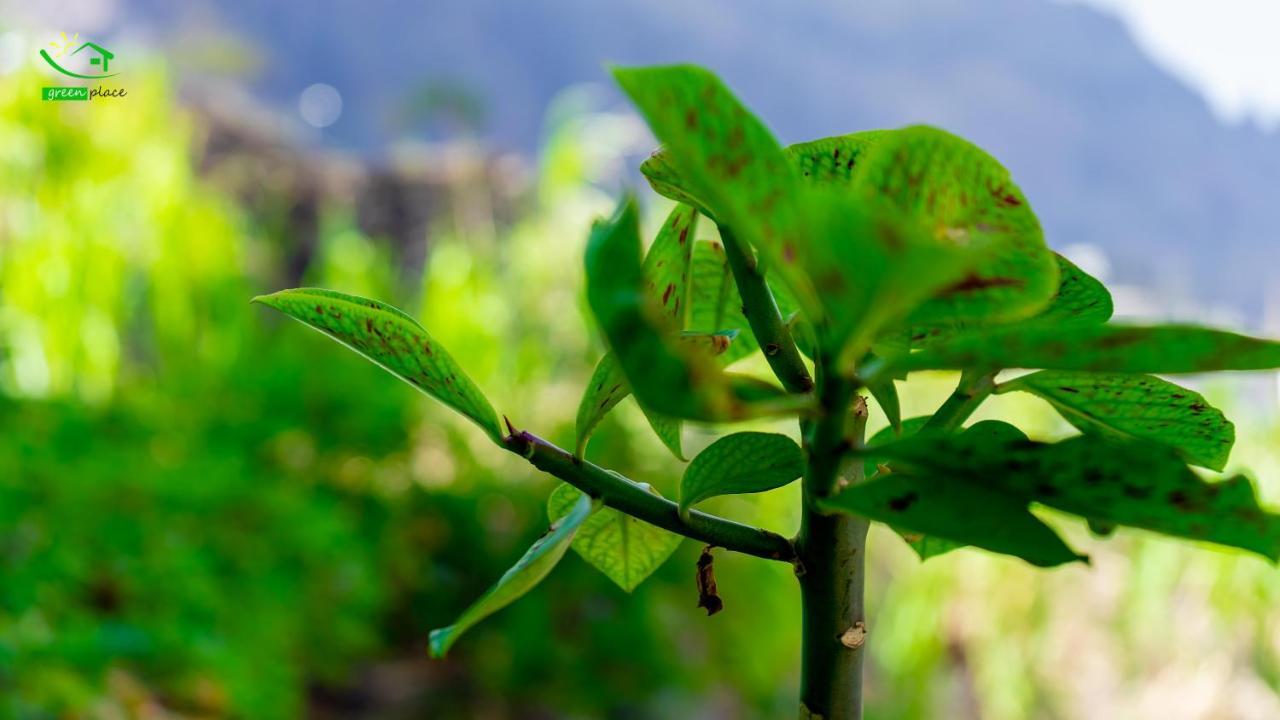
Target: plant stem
{"points": [[971, 391], [832, 565], [636, 500], [763, 316]]}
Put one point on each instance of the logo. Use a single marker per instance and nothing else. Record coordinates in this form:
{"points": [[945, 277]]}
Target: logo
{"points": [[87, 61]]}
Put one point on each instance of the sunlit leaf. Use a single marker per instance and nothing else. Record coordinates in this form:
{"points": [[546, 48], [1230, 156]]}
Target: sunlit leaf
{"points": [[625, 549], [1140, 407], [1134, 483], [962, 195], [1099, 348], [528, 571], [745, 462], [1080, 300], [392, 339]]}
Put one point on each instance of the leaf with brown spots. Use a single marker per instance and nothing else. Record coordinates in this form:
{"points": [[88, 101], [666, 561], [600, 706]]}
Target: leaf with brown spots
{"points": [[1135, 483], [393, 340], [666, 271], [1080, 300], [1141, 407], [666, 376], [1165, 349], [959, 194], [960, 512]]}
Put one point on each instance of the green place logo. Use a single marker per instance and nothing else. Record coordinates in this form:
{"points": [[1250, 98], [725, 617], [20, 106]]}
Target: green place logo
{"points": [[64, 93], [96, 55]]}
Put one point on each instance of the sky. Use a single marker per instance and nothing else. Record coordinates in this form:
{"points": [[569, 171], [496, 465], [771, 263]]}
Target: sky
{"points": [[1227, 50]]}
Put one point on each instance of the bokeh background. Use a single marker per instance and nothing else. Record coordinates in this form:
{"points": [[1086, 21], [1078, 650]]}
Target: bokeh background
{"points": [[207, 512]]}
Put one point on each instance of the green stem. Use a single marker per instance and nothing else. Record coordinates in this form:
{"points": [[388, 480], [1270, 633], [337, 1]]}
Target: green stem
{"points": [[832, 565], [637, 501], [973, 389], [764, 317]]}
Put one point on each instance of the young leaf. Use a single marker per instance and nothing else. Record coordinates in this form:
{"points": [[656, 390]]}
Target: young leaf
{"points": [[1133, 483], [393, 340], [745, 462], [528, 571], [666, 272], [963, 195], [962, 512], [625, 549], [665, 377], [714, 302], [666, 265], [1099, 348], [1140, 407]]}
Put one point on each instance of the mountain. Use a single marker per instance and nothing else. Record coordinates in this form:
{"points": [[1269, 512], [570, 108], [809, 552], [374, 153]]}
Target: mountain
{"points": [[1111, 151]]}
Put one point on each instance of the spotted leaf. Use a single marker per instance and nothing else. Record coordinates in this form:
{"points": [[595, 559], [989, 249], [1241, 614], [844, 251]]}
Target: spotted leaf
{"points": [[393, 340]]}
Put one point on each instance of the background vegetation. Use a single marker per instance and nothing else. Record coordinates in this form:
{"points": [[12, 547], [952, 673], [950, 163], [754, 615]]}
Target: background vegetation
{"points": [[202, 515]]}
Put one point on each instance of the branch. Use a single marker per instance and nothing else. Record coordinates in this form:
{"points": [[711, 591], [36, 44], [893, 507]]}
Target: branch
{"points": [[972, 390], [635, 500], [764, 317]]}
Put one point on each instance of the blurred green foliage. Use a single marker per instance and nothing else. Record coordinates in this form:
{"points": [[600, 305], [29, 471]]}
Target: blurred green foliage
{"points": [[197, 514]]}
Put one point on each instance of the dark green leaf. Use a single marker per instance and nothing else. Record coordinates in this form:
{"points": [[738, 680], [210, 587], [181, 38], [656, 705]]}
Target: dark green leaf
{"points": [[528, 571], [1140, 407], [625, 549], [745, 462], [926, 546], [1134, 483], [392, 339], [963, 512], [1100, 348], [666, 376]]}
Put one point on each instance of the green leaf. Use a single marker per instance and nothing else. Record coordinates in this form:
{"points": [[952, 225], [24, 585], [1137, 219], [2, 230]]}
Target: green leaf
{"points": [[393, 340], [745, 462], [528, 571], [962, 195], [833, 160], [1081, 300], [1163, 349], [1134, 483], [870, 266], [721, 159], [666, 376], [625, 549], [962, 512], [1140, 407]]}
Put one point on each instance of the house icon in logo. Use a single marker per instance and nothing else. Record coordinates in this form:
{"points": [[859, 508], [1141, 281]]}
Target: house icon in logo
{"points": [[104, 55]]}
